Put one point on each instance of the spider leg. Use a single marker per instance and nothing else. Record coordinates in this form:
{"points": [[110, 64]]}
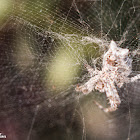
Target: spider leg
{"points": [[112, 95], [91, 71], [88, 86], [135, 78], [109, 109]]}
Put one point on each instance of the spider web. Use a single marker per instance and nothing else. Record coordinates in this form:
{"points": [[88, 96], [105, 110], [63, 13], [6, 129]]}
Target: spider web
{"points": [[44, 45]]}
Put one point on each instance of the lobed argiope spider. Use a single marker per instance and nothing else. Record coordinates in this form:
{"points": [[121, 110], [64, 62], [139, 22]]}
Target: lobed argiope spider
{"points": [[116, 67]]}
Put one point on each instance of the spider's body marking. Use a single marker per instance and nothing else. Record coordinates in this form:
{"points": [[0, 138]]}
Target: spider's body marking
{"points": [[116, 67]]}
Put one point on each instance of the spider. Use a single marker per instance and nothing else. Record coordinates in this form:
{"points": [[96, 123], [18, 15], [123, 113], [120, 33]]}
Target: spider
{"points": [[116, 67]]}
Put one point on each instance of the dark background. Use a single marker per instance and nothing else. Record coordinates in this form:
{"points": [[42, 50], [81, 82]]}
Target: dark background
{"points": [[33, 106]]}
